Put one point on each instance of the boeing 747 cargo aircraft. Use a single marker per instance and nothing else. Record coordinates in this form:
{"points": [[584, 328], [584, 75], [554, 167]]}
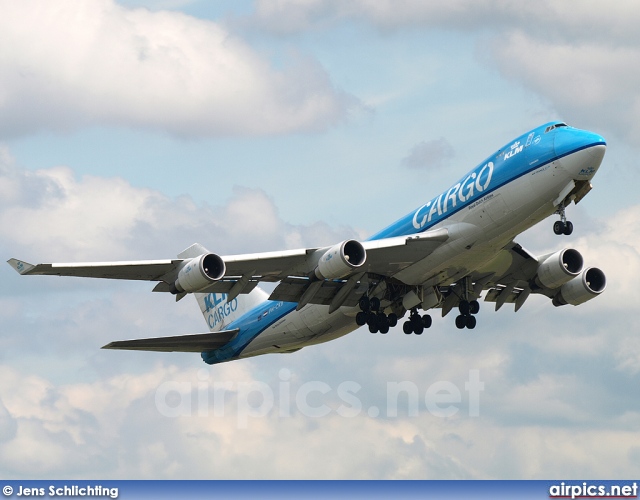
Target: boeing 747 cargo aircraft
{"points": [[448, 253]]}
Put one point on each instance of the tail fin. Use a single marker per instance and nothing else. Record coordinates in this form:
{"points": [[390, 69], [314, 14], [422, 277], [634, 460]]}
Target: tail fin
{"points": [[217, 312]]}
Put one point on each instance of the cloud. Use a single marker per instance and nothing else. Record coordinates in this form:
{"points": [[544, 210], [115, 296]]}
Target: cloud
{"points": [[79, 63], [51, 214], [557, 380], [433, 155], [554, 20], [291, 16], [114, 427], [577, 56], [591, 83], [8, 424]]}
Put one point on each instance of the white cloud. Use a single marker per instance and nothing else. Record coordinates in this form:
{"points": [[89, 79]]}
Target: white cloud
{"points": [[552, 19], [289, 16], [579, 57], [434, 155], [614, 246], [74, 63], [113, 428], [590, 83], [53, 215], [556, 402]]}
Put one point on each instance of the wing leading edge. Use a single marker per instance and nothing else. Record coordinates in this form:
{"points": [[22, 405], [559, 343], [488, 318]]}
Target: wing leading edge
{"points": [[145, 270]]}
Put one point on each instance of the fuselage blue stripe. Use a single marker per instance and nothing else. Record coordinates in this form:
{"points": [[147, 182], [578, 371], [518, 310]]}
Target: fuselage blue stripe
{"points": [[398, 227], [251, 325], [508, 181]]}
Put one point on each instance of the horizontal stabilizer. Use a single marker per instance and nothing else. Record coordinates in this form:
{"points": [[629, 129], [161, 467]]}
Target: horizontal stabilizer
{"points": [[199, 342]]}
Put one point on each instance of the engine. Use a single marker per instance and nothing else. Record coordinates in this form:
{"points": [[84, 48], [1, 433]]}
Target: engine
{"points": [[589, 284], [559, 268], [341, 259], [199, 273]]}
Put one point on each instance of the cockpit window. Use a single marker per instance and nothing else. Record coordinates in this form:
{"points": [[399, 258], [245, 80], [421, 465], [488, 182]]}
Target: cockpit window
{"points": [[551, 127]]}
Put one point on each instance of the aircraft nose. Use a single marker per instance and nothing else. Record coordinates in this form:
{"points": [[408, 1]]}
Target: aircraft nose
{"points": [[580, 151], [568, 140], [597, 152]]}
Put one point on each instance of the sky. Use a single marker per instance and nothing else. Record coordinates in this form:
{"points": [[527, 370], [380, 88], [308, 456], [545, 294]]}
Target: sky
{"points": [[130, 130]]}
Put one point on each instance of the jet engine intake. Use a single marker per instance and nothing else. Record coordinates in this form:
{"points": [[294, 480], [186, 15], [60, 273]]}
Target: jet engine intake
{"points": [[589, 284], [199, 273], [341, 259], [559, 268]]}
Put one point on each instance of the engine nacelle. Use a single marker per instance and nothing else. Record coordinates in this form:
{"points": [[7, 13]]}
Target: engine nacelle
{"points": [[588, 285], [341, 259], [199, 273], [559, 268]]}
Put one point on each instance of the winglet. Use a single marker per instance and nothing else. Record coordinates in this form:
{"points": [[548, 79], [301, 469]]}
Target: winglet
{"points": [[21, 266]]}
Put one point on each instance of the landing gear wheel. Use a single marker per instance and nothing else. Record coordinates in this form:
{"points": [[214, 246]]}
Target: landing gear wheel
{"points": [[392, 319], [372, 319], [470, 322], [361, 318], [373, 328], [463, 307], [559, 227], [427, 321], [416, 321], [418, 329], [568, 228], [364, 303], [383, 322], [461, 322], [407, 327], [474, 307], [374, 303]]}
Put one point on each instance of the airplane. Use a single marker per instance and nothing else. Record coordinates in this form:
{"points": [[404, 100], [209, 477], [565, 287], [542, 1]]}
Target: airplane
{"points": [[443, 255]]}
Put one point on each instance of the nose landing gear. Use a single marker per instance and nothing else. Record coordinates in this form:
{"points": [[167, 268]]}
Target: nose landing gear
{"points": [[562, 226]]}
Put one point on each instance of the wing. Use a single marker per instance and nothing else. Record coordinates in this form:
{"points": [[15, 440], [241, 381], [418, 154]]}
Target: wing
{"points": [[515, 283], [295, 269], [515, 273], [508, 278]]}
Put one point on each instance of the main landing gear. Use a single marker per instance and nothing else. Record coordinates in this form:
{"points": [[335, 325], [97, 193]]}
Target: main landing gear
{"points": [[416, 323], [466, 318], [371, 315], [562, 226]]}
